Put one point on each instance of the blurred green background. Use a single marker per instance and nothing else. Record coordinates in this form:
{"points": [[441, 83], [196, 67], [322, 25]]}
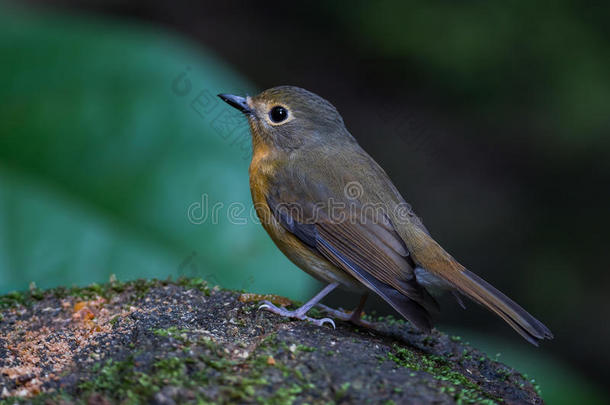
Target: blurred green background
{"points": [[492, 118]]}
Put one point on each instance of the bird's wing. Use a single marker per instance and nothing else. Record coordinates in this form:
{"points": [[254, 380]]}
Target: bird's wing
{"points": [[356, 240], [382, 252]]}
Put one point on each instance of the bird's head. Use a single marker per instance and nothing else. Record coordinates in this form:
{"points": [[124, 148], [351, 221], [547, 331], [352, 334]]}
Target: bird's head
{"points": [[290, 117]]}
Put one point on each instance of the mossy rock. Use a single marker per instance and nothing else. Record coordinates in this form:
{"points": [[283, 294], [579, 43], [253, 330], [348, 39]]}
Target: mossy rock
{"points": [[178, 342]]}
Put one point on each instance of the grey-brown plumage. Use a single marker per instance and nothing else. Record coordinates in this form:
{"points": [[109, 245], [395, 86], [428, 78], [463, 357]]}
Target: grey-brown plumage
{"points": [[335, 213]]}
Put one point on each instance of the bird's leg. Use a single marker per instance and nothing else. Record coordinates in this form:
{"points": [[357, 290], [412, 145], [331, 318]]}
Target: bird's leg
{"points": [[301, 313], [353, 317], [357, 313]]}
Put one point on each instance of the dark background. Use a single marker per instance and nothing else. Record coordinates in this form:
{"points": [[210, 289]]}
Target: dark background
{"points": [[492, 119]]}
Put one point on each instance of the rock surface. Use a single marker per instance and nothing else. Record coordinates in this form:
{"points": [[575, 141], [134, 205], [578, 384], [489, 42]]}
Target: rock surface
{"points": [[169, 342]]}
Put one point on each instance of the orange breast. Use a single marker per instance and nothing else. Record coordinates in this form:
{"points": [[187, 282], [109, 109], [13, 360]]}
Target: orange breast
{"points": [[262, 168]]}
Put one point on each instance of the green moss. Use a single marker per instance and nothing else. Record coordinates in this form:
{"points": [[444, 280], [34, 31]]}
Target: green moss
{"points": [[132, 383], [429, 340], [13, 299], [534, 383], [503, 373], [137, 289], [342, 391], [466, 354], [118, 380], [196, 283], [172, 331], [282, 396], [303, 348], [315, 313], [389, 320], [269, 341], [41, 399], [464, 390], [171, 370], [21, 298]]}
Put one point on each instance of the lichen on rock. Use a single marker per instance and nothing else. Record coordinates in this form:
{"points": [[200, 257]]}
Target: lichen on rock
{"points": [[178, 342]]}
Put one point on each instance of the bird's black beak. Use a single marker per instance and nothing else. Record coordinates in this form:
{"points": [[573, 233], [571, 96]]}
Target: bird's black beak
{"points": [[237, 102]]}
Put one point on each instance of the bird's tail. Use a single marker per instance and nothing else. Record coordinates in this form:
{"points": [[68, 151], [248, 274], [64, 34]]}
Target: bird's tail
{"points": [[436, 260], [487, 295]]}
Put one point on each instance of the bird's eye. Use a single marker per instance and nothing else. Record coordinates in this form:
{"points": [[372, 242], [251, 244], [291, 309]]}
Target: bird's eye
{"points": [[278, 114]]}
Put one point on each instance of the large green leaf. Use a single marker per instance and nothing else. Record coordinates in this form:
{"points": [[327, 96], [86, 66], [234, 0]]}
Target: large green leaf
{"points": [[109, 132]]}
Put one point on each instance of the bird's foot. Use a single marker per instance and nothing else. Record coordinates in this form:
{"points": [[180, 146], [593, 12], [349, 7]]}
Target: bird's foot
{"points": [[299, 313], [353, 317]]}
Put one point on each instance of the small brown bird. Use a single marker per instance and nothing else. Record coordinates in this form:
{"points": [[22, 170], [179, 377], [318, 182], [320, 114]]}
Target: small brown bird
{"points": [[333, 211]]}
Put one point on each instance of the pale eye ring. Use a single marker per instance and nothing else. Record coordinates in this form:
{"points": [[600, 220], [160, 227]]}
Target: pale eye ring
{"points": [[278, 114]]}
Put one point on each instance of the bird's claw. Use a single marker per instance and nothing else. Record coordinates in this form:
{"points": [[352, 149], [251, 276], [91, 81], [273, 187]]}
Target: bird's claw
{"points": [[266, 305], [321, 322], [340, 314]]}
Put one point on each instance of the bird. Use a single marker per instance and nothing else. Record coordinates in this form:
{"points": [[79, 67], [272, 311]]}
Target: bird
{"points": [[334, 212]]}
